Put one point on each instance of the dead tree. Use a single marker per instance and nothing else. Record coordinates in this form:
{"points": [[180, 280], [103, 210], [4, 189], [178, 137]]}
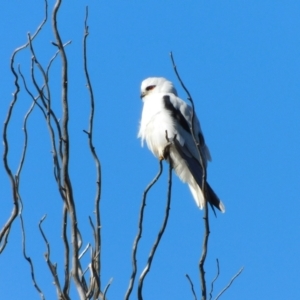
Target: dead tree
{"points": [[88, 284], [86, 277]]}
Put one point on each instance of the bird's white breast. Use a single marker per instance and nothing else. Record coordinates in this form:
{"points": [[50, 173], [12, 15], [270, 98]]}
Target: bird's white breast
{"points": [[155, 121]]}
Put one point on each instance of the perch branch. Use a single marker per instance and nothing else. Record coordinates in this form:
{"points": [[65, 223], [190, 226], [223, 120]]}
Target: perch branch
{"points": [[140, 230], [160, 234]]}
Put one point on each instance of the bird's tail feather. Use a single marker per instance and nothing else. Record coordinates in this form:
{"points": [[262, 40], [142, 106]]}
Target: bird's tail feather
{"points": [[189, 170], [213, 199]]}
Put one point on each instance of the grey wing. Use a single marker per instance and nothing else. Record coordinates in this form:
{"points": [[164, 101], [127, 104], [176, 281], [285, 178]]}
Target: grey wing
{"points": [[196, 170], [184, 145], [182, 115], [190, 161]]}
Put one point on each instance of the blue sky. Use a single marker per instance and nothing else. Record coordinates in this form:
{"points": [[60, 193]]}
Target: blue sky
{"points": [[241, 63]]}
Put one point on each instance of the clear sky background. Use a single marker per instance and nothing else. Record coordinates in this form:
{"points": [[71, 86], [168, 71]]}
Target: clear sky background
{"points": [[241, 63]]}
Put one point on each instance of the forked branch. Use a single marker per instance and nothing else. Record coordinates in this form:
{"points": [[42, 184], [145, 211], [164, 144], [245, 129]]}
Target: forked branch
{"points": [[140, 231], [159, 236]]}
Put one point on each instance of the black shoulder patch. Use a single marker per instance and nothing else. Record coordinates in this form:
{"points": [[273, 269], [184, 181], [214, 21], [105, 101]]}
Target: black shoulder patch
{"points": [[176, 114], [201, 139]]}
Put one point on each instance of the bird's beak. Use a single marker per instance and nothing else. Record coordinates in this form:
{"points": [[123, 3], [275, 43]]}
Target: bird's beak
{"points": [[143, 94]]}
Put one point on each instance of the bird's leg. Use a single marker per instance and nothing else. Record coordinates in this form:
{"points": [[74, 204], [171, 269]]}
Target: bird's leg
{"points": [[161, 157], [167, 138], [166, 151]]}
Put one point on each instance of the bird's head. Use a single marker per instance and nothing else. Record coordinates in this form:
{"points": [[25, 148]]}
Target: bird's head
{"points": [[157, 85]]}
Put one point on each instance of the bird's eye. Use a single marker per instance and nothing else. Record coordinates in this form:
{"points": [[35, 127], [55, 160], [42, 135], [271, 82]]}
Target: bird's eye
{"points": [[150, 87]]}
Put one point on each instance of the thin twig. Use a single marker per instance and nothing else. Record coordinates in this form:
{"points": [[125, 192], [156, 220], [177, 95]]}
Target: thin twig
{"points": [[6, 228], [84, 250], [66, 251], [201, 160], [160, 234], [28, 257], [140, 230], [229, 284], [203, 166], [93, 227], [23, 155], [106, 288], [17, 178], [212, 283], [49, 114], [43, 97], [192, 286], [52, 267], [53, 115], [35, 99], [97, 231], [53, 58]]}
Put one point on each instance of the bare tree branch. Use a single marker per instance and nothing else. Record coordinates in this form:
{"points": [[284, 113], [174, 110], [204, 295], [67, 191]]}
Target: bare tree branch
{"points": [[60, 143], [229, 284], [87, 247], [53, 115], [96, 258], [6, 228], [66, 182], [66, 251], [212, 283], [203, 166], [46, 101], [192, 286], [204, 252], [160, 234], [205, 214], [49, 114], [17, 178], [52, 267], [140, 230], [35, 99], [53, 58], [106, 288], [28, 257]]}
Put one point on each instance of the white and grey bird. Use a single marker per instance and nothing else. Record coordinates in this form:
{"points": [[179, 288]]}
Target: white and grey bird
{"points": [[166, 114]]}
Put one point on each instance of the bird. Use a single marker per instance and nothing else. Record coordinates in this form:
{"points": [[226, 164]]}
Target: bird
{"points": [[166, 126]]}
